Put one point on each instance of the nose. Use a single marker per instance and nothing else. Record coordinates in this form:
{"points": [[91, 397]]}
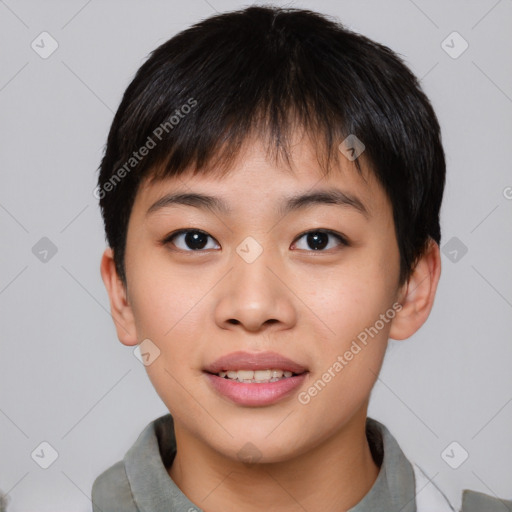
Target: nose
{"points": [[255, 295]]}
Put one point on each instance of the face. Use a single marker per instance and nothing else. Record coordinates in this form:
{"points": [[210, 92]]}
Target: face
{"points": [[307, 283]]}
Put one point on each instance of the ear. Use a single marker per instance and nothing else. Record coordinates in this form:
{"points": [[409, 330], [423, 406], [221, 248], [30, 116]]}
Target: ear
{"points": [[120, 308], [417, 295]]}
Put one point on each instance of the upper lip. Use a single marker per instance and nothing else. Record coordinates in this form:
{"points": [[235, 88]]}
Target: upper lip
{"points": [[254, 361]]}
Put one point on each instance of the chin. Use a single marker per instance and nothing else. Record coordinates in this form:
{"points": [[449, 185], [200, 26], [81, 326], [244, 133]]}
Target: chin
{"points": [[257, 446]]}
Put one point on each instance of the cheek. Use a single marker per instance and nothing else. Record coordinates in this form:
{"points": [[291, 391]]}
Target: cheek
{"points": [[349, 299], [356, 346], [347, 307], [164, 297], [349, 355], [167, 309]]}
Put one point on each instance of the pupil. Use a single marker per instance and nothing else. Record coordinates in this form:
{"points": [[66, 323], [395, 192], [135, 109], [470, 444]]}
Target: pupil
{"points": [[317, 240], [195, 240]]}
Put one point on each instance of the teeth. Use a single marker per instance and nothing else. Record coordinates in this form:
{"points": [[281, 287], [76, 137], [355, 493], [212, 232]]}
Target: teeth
{"points": [[262, 375], [245, 374], [248, 376]]}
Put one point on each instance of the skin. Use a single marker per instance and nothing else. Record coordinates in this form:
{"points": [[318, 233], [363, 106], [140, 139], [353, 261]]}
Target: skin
{"points": [[306, 304]]}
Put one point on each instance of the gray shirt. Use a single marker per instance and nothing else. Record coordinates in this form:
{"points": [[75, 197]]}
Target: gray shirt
{"points": [[140, 482]]}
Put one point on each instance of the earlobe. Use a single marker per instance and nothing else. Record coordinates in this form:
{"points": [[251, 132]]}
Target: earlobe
{"points": [[417, 295], [120, 309]]}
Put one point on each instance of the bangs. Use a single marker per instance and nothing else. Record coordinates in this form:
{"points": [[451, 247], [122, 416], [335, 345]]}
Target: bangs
{"points": [[201, 123], [218, 154]]}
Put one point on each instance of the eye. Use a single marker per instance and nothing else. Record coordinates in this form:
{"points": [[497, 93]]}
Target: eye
{"points": [[193, 239], [196, 240], [319, 239]]}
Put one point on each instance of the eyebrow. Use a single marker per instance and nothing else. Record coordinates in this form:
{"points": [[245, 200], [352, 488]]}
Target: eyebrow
{"points": [[214, 204]]}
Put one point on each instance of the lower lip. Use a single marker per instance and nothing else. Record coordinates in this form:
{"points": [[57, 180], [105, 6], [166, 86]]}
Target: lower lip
{"points": [[257, 393]]}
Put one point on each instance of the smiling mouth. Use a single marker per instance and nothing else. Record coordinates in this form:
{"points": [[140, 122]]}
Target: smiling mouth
{"points": [[255, 379], [268, 373], [256, 376]]}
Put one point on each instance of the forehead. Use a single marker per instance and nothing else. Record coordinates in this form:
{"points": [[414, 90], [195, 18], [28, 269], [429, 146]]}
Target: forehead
{"points": [[258, 181]]}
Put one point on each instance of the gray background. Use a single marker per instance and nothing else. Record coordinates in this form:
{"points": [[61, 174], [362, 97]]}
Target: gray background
{"points": [[67, 380]]}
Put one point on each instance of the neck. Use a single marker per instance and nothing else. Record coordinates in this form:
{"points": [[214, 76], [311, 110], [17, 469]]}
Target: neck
{"points": [[334, 475]]}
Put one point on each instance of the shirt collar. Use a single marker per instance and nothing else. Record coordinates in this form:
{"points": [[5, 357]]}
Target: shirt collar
{"points": [[154, 491], [394, 489]]}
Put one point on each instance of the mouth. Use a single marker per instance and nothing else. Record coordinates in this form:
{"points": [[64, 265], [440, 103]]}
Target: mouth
{"points": [[256, 376], [255, 379], [257, 366]]}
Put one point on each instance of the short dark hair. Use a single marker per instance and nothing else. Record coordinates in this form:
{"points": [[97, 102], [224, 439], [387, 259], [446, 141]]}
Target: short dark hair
{"points": [[267, 70]]}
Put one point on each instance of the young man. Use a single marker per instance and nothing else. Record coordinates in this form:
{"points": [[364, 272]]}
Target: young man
{"points": [[270, 190]]}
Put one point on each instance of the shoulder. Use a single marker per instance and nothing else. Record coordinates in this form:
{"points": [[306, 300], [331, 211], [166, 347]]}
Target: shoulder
{"points": [[125, 484], [473, 501], [429, 498], [111, 491]]}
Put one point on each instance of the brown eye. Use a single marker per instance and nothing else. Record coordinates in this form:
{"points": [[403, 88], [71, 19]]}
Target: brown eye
{"points": [[318, 240], [190, 240]]}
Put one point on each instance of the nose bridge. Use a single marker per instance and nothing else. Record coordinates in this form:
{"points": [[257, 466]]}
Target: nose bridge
{"points": [[251, 274], [252, 294]]}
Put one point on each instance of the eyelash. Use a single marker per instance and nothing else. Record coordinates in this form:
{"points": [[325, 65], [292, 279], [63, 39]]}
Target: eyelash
{"points": [[167, 240]]}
